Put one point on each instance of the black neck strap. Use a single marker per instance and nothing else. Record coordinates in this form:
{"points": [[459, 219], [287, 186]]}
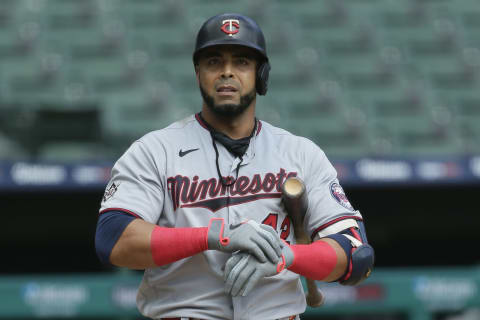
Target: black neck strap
{"points": [[237, 147]]}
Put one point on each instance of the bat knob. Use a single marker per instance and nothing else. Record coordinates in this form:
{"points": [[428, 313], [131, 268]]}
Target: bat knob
{"points": [[314, 300]]}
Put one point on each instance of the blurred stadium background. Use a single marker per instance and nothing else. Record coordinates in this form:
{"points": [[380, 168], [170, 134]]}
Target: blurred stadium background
{"points": [[388, 88]]}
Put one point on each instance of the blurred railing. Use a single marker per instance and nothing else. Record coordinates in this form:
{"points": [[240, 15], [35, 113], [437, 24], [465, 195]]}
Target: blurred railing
{"points": [[364, 171]]}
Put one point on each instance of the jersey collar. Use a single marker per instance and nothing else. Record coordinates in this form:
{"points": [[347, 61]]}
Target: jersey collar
{"points": [[205, 125]]}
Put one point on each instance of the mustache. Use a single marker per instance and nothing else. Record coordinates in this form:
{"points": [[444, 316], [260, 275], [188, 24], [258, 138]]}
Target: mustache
{"points": [[229, 110], [231, 83]]}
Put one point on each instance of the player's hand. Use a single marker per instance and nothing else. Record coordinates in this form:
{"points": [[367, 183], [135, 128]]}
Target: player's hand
{"points": [[260, 240], [243, 271]]}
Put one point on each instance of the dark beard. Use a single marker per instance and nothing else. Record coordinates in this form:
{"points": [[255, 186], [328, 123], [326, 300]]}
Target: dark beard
{"points": [[228, 110]]}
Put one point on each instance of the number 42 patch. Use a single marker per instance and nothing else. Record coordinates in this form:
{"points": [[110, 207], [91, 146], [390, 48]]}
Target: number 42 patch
{"points": [[272, 221]]}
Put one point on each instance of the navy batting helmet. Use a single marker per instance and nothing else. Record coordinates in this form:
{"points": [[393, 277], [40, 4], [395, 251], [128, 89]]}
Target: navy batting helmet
{"points": [[235, 29]]}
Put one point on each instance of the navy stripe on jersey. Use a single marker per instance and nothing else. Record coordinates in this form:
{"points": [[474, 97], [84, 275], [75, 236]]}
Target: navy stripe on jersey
{"points": [[121, 210], [219, 203]]}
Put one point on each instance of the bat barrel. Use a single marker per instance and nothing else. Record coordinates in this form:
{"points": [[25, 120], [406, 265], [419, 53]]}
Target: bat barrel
{"points": [[294, 197]]}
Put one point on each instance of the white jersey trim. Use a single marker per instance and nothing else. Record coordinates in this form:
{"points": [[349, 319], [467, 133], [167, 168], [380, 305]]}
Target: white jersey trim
{"points": [[336, 228]]}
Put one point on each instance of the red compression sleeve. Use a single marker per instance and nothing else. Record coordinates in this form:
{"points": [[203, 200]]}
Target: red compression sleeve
{"points": [[315, 261], [172, 244]]}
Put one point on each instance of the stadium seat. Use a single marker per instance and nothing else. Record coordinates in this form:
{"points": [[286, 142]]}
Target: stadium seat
{"points": [[393, 102], [129, 118], [434, 46], [370, 76], [156, 27], [99, 38], [362, 11], [16, 122], [179, 71], [397, 16], [334, 136], [8, 12], [469, 132], [10, 44], [75, 151], [106, 75], [288, 76], [420, 136], [196, 12], [468, 12], [19, 40], [36, 80], [11, 150], [452, 76], [380, 139], [145, 11], [27, 64], [170, 43], [463, 101], [267, 110], [68, 14], [317, 16]]}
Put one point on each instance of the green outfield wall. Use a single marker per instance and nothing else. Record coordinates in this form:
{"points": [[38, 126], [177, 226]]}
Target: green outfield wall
{"points": [[417, 293]]}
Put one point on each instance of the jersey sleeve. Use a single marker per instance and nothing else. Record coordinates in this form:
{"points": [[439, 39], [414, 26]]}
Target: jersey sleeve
{"points": [[329, 210], [136, 185]]}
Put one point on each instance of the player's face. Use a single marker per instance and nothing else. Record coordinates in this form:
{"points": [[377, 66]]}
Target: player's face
{"points": [[226, 76]]}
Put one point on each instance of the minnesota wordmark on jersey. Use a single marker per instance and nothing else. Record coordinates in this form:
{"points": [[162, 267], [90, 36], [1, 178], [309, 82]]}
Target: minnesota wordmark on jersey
{"points": [[211, 193]]}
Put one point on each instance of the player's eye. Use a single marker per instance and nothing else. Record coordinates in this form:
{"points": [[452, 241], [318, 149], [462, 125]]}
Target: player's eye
{"points": [[243, 61], [213, 61]]}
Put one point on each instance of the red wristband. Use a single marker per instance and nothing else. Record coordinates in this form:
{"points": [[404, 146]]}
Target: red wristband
{"points": [[315, 261], [172, 244]]}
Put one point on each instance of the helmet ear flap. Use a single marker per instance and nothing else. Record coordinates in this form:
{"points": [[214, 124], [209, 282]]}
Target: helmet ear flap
{"points": [[263, 72]]}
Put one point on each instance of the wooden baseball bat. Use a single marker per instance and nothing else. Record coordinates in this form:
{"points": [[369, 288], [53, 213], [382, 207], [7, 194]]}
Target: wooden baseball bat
{"points": [[294, 199]]}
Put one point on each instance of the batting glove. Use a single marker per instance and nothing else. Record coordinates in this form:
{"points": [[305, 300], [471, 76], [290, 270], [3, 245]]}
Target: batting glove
{"points": [[243, 271], [260, 240]]}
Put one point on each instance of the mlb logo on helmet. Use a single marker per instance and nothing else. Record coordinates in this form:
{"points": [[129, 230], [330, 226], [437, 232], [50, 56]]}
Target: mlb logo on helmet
{"points": [[230, 26]]}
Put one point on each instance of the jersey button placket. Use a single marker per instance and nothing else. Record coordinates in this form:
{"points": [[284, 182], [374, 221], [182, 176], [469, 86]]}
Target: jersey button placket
{"points": [[234, 215]]}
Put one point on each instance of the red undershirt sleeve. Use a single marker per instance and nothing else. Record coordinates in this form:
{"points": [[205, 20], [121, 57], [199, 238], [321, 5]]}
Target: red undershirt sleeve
{"points": [[172, 244], [315, 261]]}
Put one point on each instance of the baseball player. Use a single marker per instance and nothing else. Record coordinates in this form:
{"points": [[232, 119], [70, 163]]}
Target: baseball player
{"points": [[198, 203]]}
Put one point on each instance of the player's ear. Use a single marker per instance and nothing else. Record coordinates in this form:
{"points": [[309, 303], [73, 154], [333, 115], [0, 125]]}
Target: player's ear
{"points": [[197, 74]]}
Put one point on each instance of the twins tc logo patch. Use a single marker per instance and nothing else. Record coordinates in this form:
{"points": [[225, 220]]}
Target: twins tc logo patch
{"points": [[338, 194], [110, 191], [230, 26]]}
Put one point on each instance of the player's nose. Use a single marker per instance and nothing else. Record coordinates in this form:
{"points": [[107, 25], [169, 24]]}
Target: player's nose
{"points": [[227, 71]]}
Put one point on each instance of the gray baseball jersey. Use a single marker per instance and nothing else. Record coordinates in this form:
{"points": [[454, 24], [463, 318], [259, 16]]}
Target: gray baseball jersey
{"points": [[169, 178]]}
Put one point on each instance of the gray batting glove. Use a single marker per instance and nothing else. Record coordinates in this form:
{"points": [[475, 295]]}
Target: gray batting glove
{"points": [[243, 271], [260, 240]]}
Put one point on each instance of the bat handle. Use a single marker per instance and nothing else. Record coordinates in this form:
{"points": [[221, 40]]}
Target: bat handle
{"points": [[315, 297]]}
